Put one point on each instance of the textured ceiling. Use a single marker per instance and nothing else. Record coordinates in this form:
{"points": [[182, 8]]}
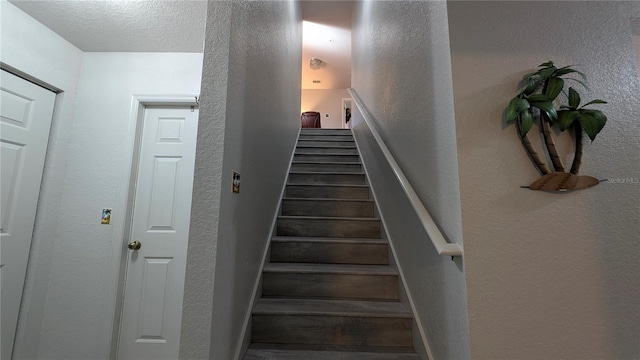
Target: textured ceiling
{"points": [[124, 25]]}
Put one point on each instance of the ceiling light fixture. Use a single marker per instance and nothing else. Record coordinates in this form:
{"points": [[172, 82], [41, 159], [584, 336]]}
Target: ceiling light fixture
{"points": [[315, 63]]}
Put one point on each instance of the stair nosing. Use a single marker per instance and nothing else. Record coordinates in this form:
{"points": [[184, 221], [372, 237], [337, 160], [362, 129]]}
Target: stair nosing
{"points": [[329, 154], [322, 268], [326, 162], [330, 185], [332, 348], [326, 151], [324, 146], [347, 218], [326, 173], [328, 240], [330, 307], [335, 140], [336, 137], [328, 199]]}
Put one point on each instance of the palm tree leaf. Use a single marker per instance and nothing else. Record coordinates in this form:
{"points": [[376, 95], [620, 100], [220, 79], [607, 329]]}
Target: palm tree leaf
{"points": [[516, 106], [531, 87], [538, 98], [547, 72], [547, 64], [597, 114], [526, 122], [548, 108], [574, 98], [591, 124], [596, 101], [566, 118], [566, 70], [554, 87]]}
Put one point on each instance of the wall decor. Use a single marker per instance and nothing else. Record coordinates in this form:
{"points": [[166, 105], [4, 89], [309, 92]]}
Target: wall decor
{"points": [[545, 102]]}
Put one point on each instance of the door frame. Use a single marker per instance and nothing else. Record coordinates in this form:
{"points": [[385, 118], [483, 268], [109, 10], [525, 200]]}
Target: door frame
{"points": [[122, 212], [343, 115]]}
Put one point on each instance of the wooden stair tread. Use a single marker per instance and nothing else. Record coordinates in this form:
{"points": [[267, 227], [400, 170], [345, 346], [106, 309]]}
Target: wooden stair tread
{"points": [[308, 162], [328, 307], [343, 269], [328, 352], [326, 154], [301, 151], [328, 218], [302, 145], [339, 348], [328, 185], [282, 239], [327, 199], [327, 173]]}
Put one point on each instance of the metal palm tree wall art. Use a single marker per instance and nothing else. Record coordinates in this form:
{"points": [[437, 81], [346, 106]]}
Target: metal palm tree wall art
{"points": [[545, 102]]}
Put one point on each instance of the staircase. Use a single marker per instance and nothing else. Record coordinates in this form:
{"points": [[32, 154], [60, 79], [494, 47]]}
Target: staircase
{"points": [[328, 290]]}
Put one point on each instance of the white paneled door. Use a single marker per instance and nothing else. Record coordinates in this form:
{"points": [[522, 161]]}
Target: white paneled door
{"points": [[152, 309], [25, 119]]}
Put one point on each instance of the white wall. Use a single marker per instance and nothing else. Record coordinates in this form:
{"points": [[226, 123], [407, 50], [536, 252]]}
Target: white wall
{"points": [[68, 304], [32, 48], [325, 102], [401, 70], [249, 122], [549, 276], [636, 45], [80, 302]]}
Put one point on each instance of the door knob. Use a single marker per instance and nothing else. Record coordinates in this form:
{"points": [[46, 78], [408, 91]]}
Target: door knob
{"points": [[136, 245]]}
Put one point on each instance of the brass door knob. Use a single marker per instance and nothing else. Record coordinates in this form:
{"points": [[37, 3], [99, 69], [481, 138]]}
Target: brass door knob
{"points": [[136, 245]]}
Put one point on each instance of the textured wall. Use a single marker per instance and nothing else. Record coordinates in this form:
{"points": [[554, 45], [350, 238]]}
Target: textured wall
{"points": [[636, 43], [250, 116], [549, 276], [32, 48], [80, 303], [325, 102], [401, 70]]}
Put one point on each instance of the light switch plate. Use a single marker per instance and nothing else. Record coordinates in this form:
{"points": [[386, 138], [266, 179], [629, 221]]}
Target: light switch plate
{"points": [[235, 182], [106, 216]]}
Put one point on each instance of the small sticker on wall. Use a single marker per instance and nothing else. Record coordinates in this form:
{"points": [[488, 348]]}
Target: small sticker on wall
{"points": [[106, 216], [235, 184]]}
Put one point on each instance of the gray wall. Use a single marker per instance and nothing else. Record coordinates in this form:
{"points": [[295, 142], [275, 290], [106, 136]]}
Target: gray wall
{"points": [[401, 71], [549, 276], [249, 120]]}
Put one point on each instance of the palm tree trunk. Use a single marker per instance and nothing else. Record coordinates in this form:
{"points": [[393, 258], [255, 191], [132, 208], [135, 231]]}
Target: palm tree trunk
{"points": [[550, 143], [577, 157], [531, 151]]}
